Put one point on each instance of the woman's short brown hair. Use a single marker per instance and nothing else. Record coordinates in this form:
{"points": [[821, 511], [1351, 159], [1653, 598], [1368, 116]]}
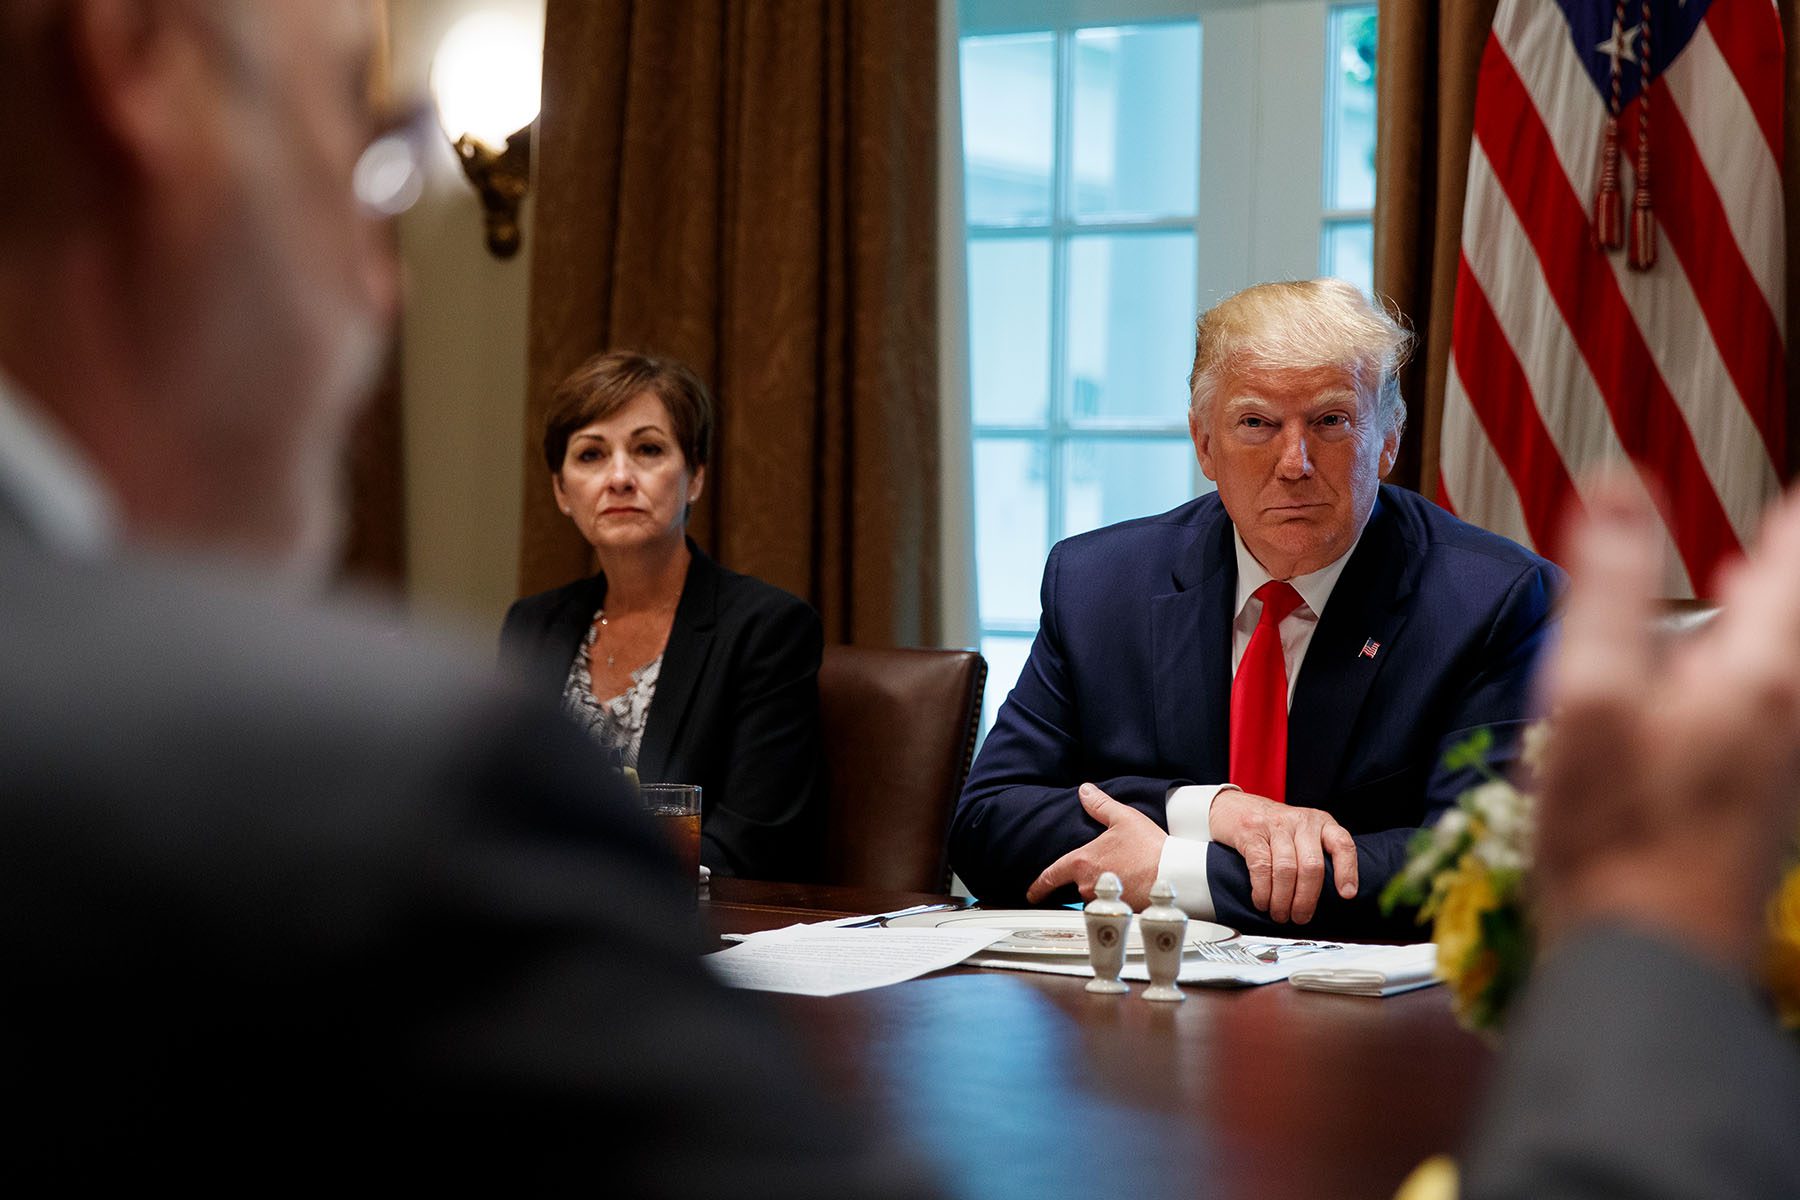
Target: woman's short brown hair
{"points": [[608, 382]]}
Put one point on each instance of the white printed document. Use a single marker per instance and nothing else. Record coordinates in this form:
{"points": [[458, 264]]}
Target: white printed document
{"points": [[807, 960]]}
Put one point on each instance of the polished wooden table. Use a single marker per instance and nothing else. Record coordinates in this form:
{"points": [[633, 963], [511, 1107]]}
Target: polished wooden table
{"points": [[1021, 1084]]}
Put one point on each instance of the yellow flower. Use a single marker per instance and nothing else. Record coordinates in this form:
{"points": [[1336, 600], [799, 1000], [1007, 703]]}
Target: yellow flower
{"points": [[1782, 960], [1467, 893], [1477, 976], [1433, 1179]]}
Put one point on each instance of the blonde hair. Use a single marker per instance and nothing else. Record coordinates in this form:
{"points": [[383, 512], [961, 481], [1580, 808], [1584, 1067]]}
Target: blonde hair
{"points": [[1301, 327]]}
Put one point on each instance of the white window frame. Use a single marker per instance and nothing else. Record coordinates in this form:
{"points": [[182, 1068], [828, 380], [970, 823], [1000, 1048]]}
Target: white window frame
{"points": [[1264, 96], [1331, 217]]}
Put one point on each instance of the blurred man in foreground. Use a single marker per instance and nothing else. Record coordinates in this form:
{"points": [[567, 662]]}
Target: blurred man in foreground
{"points": [[1642, 1063], [286, 905]]}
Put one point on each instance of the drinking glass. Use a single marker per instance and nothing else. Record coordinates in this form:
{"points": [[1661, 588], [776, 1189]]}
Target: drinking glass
{"points": [[676, 809]]}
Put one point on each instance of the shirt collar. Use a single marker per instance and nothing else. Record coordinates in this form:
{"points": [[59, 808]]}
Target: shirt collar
{"points": [[47, 480], [1315, 589]]}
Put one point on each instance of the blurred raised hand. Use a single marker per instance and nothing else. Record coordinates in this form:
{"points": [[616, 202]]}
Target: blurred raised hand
{"points": [[1669, 787]]}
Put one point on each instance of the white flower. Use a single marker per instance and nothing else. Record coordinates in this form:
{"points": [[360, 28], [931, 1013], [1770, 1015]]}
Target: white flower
{"points": [[1497, 803], [1450, 828], [1532, 744], [1500, 856]]}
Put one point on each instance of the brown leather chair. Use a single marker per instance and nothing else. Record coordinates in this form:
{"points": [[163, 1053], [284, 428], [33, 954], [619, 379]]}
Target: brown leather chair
{"points": [[900, 731]]}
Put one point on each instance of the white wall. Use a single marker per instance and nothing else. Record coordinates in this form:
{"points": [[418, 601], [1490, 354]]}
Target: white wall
{"points": [[463, 361]]}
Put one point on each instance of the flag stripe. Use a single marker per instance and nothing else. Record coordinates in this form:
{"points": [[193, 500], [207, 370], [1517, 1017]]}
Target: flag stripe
{"points": [[1506, 269], [1501, 399], [1692, 218], [1443, 491], [1470, 468], [1582, 284], [1748, 33], [1736, 171], [1505, 266]]}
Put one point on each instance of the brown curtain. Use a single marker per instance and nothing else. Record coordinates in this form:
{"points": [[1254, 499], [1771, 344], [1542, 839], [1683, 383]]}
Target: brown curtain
{"points": [[1429, 56], [750, 186]]}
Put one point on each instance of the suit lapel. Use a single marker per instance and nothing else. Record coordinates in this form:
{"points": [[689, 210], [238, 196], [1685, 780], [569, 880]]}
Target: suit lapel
{"points": [[1191, 632], [566, 629], [1366, 605], [684, 660]]}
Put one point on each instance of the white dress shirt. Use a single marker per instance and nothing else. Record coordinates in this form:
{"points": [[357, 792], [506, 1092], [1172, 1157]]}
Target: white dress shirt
{"points": [[1190, 806], [47, 481]]}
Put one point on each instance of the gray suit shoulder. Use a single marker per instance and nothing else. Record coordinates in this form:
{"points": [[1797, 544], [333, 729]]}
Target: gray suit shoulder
{"points": [[1634, 1069]]}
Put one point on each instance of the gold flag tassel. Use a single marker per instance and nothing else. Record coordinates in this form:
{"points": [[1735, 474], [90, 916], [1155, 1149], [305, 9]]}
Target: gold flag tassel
{"points": [[1609, 205], [1642, 255]]}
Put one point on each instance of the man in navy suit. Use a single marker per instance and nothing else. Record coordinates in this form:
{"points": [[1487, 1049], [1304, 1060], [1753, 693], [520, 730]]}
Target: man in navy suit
{"points": [[1252, 695]]}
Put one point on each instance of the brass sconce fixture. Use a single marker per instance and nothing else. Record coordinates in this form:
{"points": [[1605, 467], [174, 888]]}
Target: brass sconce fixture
{"points": [[501, 180], [486, 77]]}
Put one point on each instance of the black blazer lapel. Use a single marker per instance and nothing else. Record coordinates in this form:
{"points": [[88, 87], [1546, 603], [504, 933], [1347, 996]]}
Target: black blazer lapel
{"points": [[1191, 647], [1367, 604], [684, 661], [564, 631]]}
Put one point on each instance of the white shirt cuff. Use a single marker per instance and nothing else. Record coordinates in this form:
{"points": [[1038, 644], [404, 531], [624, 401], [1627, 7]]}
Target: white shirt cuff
{"points": [[1189, 809], [1184, 865]]}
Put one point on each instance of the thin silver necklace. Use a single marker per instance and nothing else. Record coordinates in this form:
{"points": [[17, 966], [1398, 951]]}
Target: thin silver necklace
{"points": [[600, 633]]}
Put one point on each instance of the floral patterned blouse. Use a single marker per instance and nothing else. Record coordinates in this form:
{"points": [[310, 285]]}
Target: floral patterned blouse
{"points": [[618, 723]]}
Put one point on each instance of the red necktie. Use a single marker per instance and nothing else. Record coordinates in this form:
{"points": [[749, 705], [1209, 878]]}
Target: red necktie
{"points": [[1259, 693]]}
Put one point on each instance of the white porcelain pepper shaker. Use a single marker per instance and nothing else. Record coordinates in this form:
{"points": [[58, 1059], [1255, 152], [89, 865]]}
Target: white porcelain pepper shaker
{"points": [[1108, 918], [1164, 929]]}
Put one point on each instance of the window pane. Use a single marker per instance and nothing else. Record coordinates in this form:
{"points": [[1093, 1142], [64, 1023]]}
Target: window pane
{"points": [[1350, 253], [1009, 329], [1011, 527], [1119, 478], [1131, 316], [1136, 122], [1006, 654], [1009, 122], [1350, 134]]}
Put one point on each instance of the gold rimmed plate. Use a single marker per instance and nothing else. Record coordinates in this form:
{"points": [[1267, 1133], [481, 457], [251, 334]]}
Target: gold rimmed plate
{"points": [[1047, 931]]}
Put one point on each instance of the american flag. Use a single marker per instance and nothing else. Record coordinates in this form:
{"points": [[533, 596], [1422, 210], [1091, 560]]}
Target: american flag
{"points": [[1565, 353]]}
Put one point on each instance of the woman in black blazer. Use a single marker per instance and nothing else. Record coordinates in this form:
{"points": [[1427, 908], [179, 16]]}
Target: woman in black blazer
{"points": [[690, 672]]}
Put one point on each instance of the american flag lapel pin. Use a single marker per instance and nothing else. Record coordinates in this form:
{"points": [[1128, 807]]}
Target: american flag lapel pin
{"points": [[1369, 649]]}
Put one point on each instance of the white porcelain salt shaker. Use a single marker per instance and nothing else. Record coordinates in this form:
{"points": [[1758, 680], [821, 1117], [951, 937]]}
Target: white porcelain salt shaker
{"points": [[1108, 918], [1164, 929]]}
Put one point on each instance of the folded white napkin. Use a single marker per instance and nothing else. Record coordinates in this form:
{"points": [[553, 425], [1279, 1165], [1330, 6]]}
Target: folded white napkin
{"points": [[1380, 971]]}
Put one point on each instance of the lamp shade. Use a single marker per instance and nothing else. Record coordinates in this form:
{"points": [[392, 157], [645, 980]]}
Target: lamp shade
{"points": [[487, 76]]}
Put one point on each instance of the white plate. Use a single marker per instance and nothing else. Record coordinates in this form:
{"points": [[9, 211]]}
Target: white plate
{"points": [[1061, 932]]}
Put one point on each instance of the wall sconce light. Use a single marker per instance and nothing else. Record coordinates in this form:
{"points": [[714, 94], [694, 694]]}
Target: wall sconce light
{"points": [[487, 78]]}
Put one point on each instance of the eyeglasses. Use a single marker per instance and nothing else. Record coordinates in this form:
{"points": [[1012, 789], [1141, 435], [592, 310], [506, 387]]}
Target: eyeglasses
{"points": [[389, 176]]}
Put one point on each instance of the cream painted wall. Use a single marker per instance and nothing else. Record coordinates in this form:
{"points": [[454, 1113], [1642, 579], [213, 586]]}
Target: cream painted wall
{"points": [[463, 367]]}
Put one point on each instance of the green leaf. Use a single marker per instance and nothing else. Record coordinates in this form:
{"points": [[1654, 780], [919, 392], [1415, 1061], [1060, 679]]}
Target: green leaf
{"points": [[1470, 754]]}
